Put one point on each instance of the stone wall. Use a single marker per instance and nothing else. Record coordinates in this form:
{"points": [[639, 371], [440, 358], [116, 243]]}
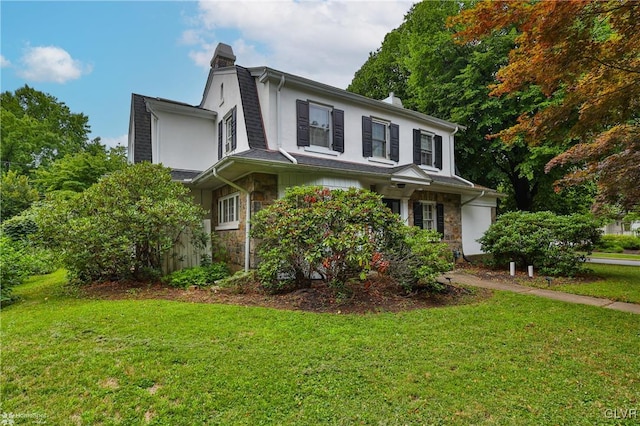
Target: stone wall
{"points": [[263, 190]]}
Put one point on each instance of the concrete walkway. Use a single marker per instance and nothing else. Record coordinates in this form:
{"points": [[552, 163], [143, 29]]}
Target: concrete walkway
{"points": [[623, 262], [474, 281]]}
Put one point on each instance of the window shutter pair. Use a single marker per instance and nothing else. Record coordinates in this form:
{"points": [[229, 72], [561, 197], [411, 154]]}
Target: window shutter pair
{"points": [[302, 126], [367, 139], [234, 141], [437, 149], [419, 221]]}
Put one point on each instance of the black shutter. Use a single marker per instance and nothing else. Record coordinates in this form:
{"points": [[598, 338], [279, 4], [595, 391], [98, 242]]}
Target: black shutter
{"points": [[302, 114], [367, 137], [417, 215], [416, 147], [220, 140], [394, 152], [338, 130], [440, 218], [438, 151], [234, 142]]}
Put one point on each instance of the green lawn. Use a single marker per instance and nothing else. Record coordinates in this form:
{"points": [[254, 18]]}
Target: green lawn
{"points": [[512, 359], [620, 283]]}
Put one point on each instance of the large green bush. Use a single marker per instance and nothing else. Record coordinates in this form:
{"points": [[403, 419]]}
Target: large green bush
{"points": [[121, 227], [554, 244], [13, 268], [617, 243], [334, 235]]}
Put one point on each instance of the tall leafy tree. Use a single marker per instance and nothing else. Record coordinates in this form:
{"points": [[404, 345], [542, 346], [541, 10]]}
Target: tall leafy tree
{"points": [[37, 129], [77, 172], [584, 56], [443, 78]]}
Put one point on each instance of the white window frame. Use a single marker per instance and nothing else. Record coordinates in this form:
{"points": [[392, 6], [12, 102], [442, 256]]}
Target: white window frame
{"points": [[432, 221], [386, 124], [229, 212], [329, 131], [432, 151], [228, 133]]}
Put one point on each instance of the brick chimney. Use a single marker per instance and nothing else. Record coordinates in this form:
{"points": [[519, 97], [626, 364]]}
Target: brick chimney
{"points": [[223, 56]]}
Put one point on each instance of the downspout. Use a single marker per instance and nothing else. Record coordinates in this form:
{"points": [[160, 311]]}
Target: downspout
{"points": [[452, 163], [247, 239], [472, 199], [279, 119]]}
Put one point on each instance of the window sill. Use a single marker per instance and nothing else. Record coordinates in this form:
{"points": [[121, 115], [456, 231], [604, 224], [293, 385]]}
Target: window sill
{"points": [[381, 161], [429, 168], [229, 226], [321, 150]]}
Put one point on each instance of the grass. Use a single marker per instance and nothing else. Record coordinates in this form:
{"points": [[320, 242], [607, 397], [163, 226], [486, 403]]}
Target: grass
{"points": [[621, 283], [513, 359]]}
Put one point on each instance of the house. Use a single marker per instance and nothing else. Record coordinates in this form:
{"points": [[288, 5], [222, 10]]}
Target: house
{"points": [[259, 131]]}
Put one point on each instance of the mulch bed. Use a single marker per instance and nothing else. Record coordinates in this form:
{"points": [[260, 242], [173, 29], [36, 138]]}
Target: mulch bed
{"points": [[378, 294]]}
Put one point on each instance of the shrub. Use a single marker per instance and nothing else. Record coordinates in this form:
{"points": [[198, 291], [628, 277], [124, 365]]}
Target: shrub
{"points": [[336, 235], [121, 227], [200, 276], [23, 231], [13, 270], [554, 244], [618, 243]]}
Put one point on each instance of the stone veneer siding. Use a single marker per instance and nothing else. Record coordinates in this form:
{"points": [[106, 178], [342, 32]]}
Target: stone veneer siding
{"points": [[452, 214], [263, 189]]}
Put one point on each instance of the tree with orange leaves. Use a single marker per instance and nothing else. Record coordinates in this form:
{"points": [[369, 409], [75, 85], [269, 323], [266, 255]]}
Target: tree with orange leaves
{"points": [[585, 57]]}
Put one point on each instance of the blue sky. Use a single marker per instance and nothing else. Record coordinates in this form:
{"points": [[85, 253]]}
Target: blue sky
{"points": [[92, 55]]}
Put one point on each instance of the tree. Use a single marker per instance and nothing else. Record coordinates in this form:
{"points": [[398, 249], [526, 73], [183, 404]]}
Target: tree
{"points": [[122, 226], [16, 194], [449, 80], [583, 55], [37, 128], [77, 172]]}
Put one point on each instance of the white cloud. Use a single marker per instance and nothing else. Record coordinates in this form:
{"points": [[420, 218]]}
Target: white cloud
{"points": [[327, 41], [4, 62], [113, 142], [51, 64]]}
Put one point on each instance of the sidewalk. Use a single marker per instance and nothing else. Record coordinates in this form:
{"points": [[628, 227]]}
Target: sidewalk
{"points": [[474, 281]]}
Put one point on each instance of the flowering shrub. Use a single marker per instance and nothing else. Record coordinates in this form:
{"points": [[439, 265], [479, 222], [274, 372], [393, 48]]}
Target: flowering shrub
{"points": [[336, 236]]}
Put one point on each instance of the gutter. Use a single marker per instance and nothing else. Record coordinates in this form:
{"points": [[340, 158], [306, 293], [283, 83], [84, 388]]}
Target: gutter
{"points": [[279, 119], [247, 239]]}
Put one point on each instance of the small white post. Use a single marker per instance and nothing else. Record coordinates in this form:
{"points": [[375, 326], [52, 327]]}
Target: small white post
{"points": [[512, 268], [530, 270]]}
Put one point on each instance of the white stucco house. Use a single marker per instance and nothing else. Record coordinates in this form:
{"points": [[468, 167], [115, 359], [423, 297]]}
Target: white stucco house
{"points": [[258, 131]]}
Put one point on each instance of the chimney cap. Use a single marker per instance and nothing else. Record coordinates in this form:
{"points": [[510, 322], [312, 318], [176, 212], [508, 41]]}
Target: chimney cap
{"points": [[223, 56]]}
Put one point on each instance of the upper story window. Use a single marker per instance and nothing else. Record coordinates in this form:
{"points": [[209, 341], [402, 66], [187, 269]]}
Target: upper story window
{"points": [[380, 139], [380, 135], [427, 149], [229, 131], [227, 140], [319, 126]]}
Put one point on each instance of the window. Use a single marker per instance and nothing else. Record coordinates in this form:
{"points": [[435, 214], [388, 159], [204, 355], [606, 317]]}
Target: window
{"points": [[228, 211], [228, 142], [320, 125], [426, 149], [379, 137], [227, 134], [429, 216]]}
